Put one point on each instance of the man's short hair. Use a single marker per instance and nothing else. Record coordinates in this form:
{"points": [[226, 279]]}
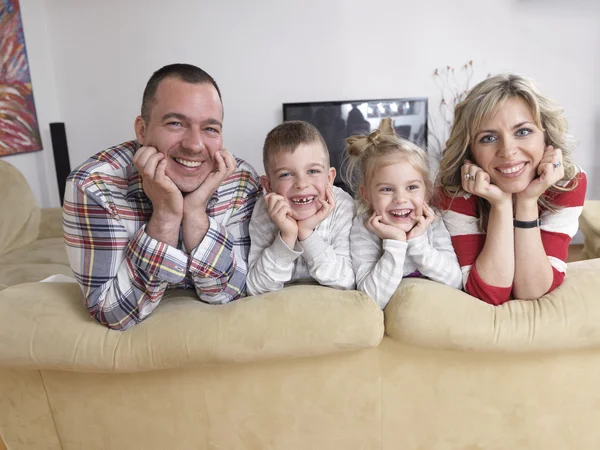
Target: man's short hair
{"points": [[185, 72], [286, 138]]}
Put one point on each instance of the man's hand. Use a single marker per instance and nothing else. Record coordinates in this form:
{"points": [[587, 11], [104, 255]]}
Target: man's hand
{"points": [[280, 212], [166, 197], [424, 216], [308, 225], [195, 219], [478, 182], [167, 200], [382, 230], [549, 170]]}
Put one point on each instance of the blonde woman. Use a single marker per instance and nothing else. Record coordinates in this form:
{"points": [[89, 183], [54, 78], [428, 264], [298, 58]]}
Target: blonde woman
{"points": [[395, 234], [511, 191]]}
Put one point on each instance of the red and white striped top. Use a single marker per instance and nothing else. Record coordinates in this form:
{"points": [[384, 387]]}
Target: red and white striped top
{"points": [[557, 230]]}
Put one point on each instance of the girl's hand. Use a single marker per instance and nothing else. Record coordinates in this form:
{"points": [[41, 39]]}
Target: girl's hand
{"points": [[424, 219], [478, 182], [384, 231]]}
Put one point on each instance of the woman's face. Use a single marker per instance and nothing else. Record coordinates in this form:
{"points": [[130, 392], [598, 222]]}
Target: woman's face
{"points": [[509, 146]]}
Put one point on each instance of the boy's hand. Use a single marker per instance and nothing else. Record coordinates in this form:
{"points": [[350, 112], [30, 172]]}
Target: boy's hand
{"points": [[308, 225], [280, 212], [424, 216], [384, 231]]}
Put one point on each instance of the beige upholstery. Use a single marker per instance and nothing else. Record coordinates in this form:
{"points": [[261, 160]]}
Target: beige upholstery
{"points": [[50, 329], [589, 222], [303, 368], [430, 314], [19, 211], [31, 243]]}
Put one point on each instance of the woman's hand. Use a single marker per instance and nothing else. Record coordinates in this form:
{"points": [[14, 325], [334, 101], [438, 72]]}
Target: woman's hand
{"points": [[478, 182], [550, 170]]}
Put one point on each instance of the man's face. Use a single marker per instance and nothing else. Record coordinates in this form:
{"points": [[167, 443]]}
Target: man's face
{"points": [[185, 125], [302, 177]]}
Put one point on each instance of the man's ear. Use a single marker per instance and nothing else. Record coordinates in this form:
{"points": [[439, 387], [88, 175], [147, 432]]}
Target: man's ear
{"points": [[331, 175], [264, 180], [140, 129]]}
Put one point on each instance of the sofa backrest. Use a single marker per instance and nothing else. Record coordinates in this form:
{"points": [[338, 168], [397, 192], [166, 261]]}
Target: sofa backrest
{"points": [[19, 211]]}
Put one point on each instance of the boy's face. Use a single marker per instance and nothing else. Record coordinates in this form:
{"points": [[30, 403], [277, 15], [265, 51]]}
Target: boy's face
{"points": [[301, 177]]}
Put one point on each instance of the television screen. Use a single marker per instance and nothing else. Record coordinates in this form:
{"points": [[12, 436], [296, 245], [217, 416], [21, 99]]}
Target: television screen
{"points": [[338, 120]]}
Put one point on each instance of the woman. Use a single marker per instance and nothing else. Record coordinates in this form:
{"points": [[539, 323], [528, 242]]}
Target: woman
{"points": [[511, 191]]}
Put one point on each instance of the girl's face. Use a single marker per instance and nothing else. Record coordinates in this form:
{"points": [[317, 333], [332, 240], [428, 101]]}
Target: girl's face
{"points": [[395, 192], [509, 146]]}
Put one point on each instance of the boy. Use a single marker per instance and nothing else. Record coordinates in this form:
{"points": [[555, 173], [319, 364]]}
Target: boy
{"points": [[300, 229]]}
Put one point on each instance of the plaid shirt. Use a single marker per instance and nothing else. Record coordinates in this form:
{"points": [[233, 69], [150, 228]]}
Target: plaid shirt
{"points": [[122, 271]]}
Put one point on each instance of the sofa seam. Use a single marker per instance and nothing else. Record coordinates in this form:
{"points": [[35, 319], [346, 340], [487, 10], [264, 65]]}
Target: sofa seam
{"points": [[51, 411]]}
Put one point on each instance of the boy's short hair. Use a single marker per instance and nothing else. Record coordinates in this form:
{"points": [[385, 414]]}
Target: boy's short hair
{"points": [[286, 138]]}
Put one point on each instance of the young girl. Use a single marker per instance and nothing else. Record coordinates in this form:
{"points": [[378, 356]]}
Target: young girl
{"points": [[395, 233]]}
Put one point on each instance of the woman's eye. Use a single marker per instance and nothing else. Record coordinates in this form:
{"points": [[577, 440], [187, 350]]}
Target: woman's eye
{"points": [[524, 132], [487, 139]]}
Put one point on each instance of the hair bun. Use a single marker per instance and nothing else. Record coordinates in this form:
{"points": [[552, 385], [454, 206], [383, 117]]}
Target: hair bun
{"points": [[386, 127]]}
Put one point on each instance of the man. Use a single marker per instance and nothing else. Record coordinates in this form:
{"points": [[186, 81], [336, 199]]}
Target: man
{"points": [[170, 210]]}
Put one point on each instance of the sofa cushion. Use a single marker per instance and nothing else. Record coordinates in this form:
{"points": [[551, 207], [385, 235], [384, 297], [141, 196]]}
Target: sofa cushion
{"points": [[19, 211], [41, 251], [426, 313], [45, 326], [12, 274]]}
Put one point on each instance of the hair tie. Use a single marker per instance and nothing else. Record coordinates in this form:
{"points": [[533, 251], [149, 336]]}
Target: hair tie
{"points": [[373, 136]]}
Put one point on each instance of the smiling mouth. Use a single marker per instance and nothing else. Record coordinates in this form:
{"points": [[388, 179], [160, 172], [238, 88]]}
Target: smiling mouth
{"points": [[401, 213], [511, 170], [188, 163], [303, 200]]}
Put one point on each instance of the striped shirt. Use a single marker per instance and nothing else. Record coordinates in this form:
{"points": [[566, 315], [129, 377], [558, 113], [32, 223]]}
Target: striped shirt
{"points": [[556, 230], [122, 271], [380, 265], [323, 257]]}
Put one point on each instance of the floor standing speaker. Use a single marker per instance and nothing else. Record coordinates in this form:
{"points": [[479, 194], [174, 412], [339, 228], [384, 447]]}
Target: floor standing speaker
{"points": [[61, 156]]}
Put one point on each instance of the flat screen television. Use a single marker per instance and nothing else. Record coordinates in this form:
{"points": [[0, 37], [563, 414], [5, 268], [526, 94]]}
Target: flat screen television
{"points": [[340, 119]]}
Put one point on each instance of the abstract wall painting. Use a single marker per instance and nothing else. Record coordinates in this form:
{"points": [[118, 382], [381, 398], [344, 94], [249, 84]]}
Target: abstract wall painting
{"points": [[19, 130]]}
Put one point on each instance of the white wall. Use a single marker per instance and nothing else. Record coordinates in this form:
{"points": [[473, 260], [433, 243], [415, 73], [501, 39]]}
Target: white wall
{"points": [[264, 53], [38, 167]]}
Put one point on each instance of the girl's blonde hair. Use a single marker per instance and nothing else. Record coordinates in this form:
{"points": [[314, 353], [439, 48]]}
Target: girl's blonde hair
{"points": [[469, 114], [380, 148]]}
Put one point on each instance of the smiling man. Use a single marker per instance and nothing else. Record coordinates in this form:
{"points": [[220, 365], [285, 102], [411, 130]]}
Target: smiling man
{"points": [[169, 210]]}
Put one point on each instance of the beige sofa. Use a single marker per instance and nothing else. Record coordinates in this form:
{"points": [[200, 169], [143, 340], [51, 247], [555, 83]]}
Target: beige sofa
{"points": [[31, 239], [305, 368]]}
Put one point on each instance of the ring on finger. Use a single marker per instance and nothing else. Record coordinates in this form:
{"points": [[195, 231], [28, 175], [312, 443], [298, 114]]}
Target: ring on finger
{"points": [[469, 177], [557, 164]]}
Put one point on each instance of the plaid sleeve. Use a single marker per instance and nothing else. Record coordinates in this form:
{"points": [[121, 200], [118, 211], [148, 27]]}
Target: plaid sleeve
{"points": [[219, 265], [122, 277]]}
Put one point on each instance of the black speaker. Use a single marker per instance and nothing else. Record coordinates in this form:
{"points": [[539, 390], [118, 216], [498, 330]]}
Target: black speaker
{"points": [[61, 156]]}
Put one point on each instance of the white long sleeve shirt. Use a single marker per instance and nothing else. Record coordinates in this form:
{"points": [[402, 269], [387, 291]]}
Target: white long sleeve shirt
{"points": [[380, 266], [324, 256]]}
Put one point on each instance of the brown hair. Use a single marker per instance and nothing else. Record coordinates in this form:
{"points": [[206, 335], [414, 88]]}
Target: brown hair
{"points": [[382, 147], [483, 99], [286, 138]]}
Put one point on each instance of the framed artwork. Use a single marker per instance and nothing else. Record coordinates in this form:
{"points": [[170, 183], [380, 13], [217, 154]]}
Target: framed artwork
{"points": [[19, 130]]}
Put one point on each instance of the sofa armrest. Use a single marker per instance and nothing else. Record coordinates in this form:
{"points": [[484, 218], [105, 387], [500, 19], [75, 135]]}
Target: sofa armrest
{"points": [[589, 222], [51, 223], [430, 314], [45, 326]]}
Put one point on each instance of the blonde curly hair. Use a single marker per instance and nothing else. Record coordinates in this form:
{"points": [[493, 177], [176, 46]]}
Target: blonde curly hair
{"points": [[481, 101], [382, 147]]}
